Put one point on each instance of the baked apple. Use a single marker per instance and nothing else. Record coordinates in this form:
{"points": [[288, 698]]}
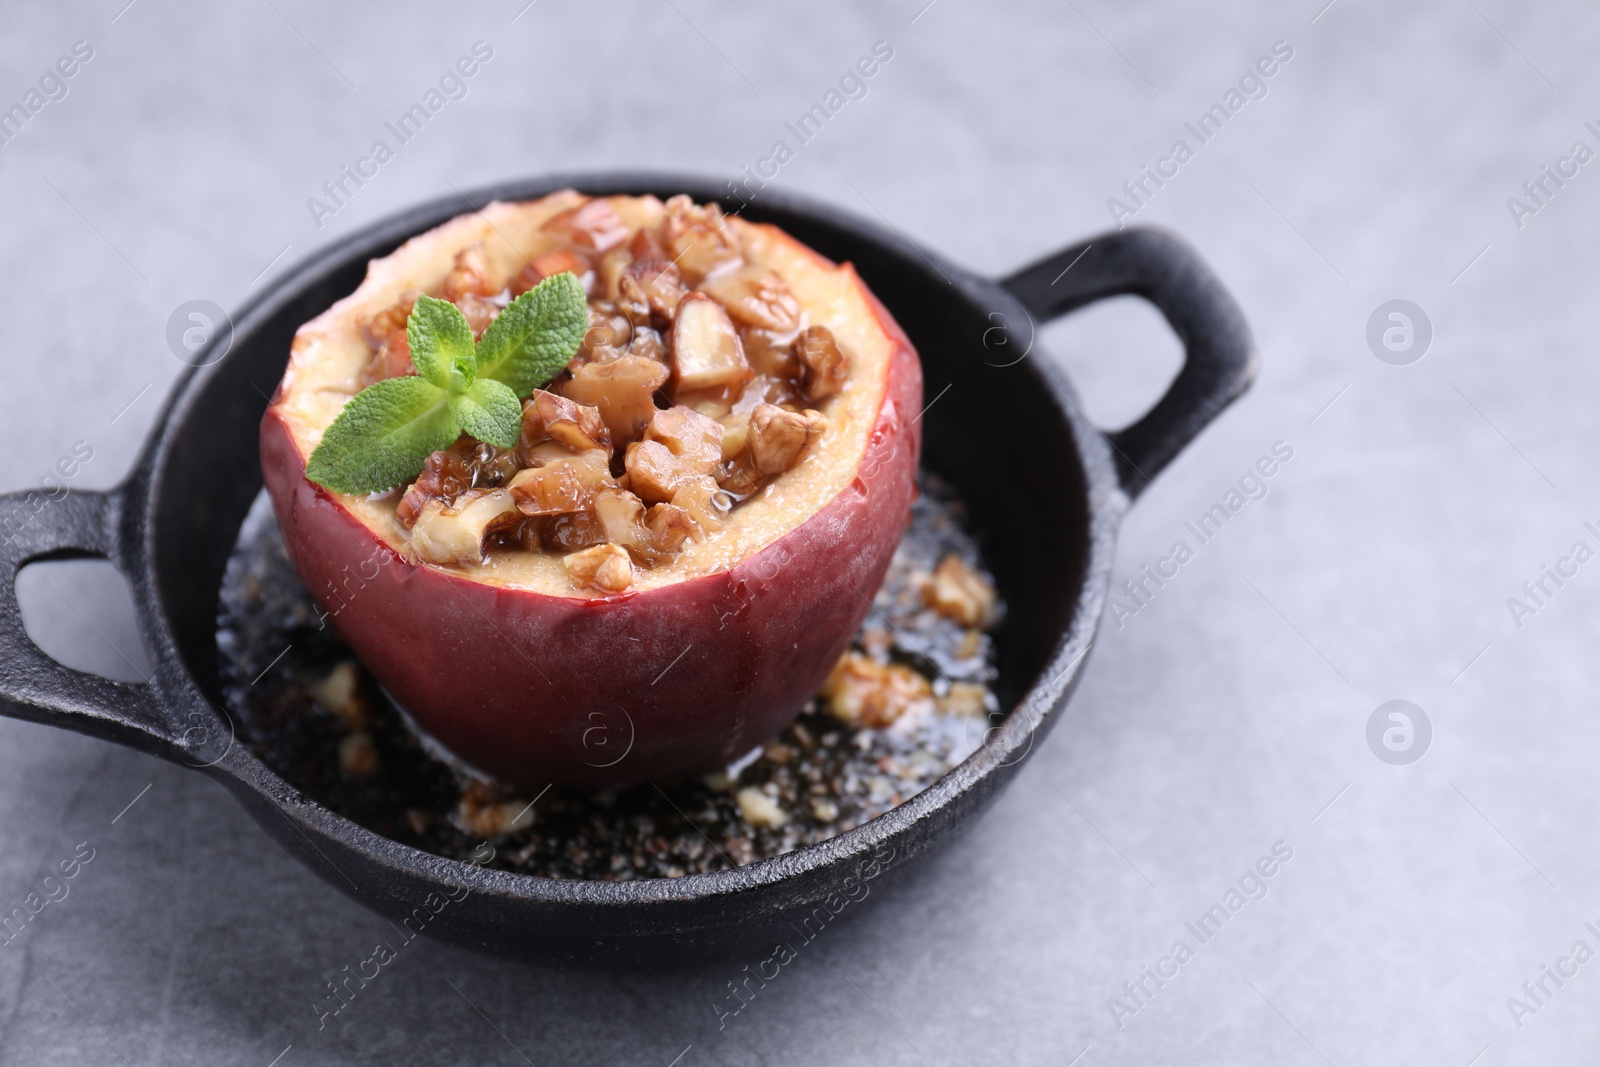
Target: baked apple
{"points": [[642, 560]]}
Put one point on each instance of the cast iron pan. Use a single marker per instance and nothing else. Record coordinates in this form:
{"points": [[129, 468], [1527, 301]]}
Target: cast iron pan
{"points": [[1046, 488]]}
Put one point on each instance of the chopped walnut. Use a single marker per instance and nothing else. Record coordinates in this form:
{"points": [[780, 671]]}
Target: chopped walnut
{"points": [[605, 568], [467, 464], [455, 534], [671, 527], [486, 811], [778, 438], [822, 363], [760, 810], [680, 445], [593, 227], [705, 502], [863, 692], [648, 344], [771, 353], [568, 533], [469, 275], [391, 320], [546, 416], [623, 390], [608, 276], [697, 239], [958, 592], [548, 265], [756, 297], [393, 360], [660, 284], [560, 487], [706, 352]]}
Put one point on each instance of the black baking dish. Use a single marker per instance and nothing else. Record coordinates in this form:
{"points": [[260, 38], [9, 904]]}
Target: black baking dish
{"points": [[171, 525]]}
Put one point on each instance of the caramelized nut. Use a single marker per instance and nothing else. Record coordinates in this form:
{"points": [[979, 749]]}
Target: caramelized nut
{"points": [[470, 274], [391, 320], [606, 568], [757, 297], [697, 238], [608, 277], [558, 488], [456, 534], [822, 363], [393, 360], [623, 390], [670, 528], [705, 502], [547, 416], [958, 592], [706, 352], [660, 284], [593, 227], [548, 265], [778, 438], [680, 445]]}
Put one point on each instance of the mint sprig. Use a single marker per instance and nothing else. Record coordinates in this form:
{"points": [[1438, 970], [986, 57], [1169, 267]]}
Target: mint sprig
{"points": [[386, 433]]}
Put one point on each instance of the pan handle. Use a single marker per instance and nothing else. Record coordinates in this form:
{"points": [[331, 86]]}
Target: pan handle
{"points": [[83, 524], [1219, 355]]}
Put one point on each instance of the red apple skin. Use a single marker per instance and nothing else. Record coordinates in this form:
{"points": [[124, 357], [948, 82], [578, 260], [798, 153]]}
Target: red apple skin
{"points": [[535, 689]]}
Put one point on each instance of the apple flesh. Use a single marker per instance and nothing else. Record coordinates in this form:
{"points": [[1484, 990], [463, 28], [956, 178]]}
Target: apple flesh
{"points": [[527, 678]]}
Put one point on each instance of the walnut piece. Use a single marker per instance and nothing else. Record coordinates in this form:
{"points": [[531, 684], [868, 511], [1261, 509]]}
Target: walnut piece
{"points": [[756, 297], [546, 416], [706, 353], [705, 503], [863, 692], [548, 265], [697, 238], [760, 810], [469, 275], [487, 811], [623, 390], [778, 438], [660, 284], [605, 568], [680, 445], [822, 364], [593, 227], [960, 593], [455, 534], [559, 487]]}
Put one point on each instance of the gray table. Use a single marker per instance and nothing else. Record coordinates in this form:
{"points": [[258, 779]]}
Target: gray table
{"points": [[1228, 714]]}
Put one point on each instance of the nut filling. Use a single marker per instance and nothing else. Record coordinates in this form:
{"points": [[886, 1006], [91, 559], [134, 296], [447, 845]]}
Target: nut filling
{"points": [[700, 382]]}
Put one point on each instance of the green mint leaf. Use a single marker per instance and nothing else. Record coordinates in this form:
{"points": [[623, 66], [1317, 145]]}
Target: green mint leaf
{"points": [[439, 338], [383, 436], [489, 411], [536, 335]]}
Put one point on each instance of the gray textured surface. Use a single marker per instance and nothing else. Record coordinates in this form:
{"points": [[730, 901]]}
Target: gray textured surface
{"points": [[1223, 717]]}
